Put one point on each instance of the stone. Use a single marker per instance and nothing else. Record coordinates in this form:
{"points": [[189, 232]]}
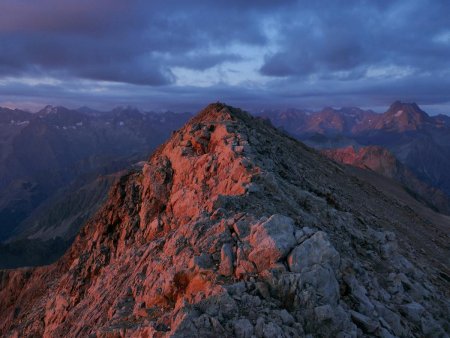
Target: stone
{"points": [[308, 231], [299, 236], [263, 289], [359, 294], [259, 327], [243, 328], [226, 260], [227, 306], [324, 312], [315, 250], [383, 333], [431, 328], [271, 241], [202, 262], [321, 282], [413, 311], [241, 228], [365, 323], [236, 289], [272, 330], [392, 318], [286, 317], [253, 188]]}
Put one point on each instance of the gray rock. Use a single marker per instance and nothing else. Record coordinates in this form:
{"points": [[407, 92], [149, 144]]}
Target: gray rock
{"points": [[359, 294], [431, 328], [299, 236], [383, 333], [236, 289], [259, 327], [272, 330], [271, 240], [227, 305], [203, 262], [253, 188], [241, 228], [392, 318], [413, 311], [226, 260], [251, 301], [243, 328], [263, 289], [324, 312], [365, 323], [321, 283], [315, 250], [286, 317], [308, 231]]}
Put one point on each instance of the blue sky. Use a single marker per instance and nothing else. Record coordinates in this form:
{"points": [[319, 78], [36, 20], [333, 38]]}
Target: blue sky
{"points": [[256, 54]]}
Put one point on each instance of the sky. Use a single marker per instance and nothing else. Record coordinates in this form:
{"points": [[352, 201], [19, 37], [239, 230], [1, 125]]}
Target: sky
{"points": [[255, 54]]}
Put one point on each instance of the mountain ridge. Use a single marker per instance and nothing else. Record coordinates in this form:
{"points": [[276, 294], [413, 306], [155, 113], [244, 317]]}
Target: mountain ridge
{"points": [[234, 228]]}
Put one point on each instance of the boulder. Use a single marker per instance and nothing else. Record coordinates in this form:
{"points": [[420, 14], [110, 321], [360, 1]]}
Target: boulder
{"points": [[315, 250], [271, 241]]}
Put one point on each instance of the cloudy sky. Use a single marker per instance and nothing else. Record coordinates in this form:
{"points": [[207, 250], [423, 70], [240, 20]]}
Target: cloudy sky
{"points": [[181, 55]]}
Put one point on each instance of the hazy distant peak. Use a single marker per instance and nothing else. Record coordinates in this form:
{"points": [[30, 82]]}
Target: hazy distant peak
{"points": [[398, 108], [404, 116]]}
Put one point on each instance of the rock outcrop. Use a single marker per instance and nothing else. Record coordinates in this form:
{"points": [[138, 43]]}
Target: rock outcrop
{"points": [[234, 229]]}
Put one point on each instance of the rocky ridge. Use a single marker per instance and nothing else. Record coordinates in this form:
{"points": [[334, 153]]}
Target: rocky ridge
{"points": [[233, 228]]}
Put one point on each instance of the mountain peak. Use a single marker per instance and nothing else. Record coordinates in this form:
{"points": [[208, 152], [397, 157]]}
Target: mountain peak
{"points": [[50, 109], [408, 108], [219, 112], [403, 117]]}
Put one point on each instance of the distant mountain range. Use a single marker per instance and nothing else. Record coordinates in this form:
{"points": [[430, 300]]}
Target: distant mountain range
{"points": [[419, 141], [57, 165], [51, 156]]}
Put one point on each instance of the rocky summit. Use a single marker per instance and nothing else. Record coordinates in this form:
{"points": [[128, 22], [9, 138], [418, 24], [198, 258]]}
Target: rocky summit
{"points": [[234, 229]]}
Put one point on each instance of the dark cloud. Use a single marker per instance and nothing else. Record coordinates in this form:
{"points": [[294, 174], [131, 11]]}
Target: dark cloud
{"points": [[361, 35], [251, 53], [132, 42]]}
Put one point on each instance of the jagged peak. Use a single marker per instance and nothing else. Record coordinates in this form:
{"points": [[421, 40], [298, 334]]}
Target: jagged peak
{"points": [[219, 111], [51, 109], [410, 108]]}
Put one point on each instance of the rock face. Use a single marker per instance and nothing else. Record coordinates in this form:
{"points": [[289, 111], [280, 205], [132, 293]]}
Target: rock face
{"points": [[233, 229]]}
